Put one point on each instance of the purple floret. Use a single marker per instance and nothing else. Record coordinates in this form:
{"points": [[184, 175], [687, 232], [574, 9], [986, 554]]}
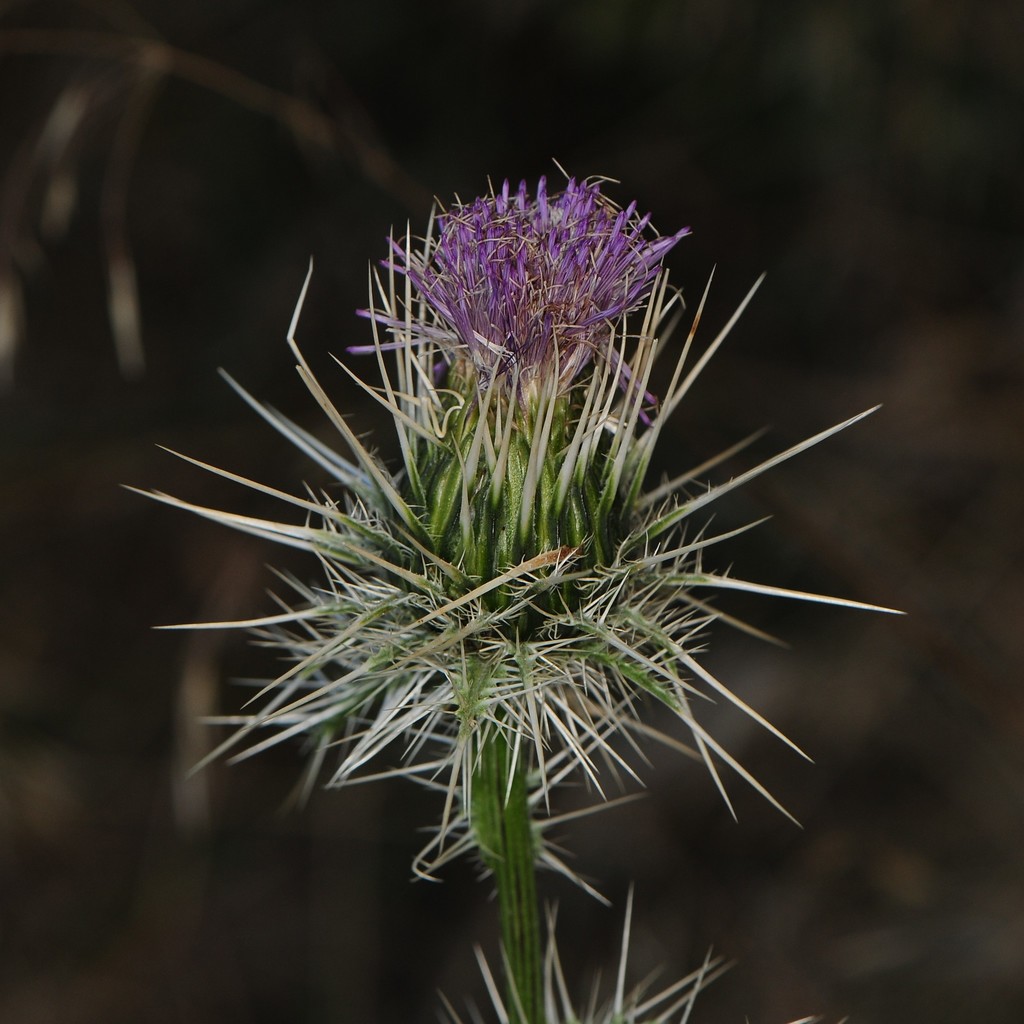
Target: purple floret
{"points": [[533, 285]]}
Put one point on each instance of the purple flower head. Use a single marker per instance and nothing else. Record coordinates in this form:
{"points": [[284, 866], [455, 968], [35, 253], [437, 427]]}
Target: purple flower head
{"points": [[529, 287]]}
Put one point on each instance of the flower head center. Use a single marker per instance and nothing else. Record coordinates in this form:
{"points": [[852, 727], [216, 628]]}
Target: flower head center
{"points": [[530, 287]]}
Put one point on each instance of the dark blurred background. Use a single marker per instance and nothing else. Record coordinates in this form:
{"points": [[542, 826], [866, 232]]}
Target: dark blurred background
{"points": [[868, 156]]}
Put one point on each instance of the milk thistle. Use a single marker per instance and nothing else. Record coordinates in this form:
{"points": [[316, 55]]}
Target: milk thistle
{"points": [[495, 614]]}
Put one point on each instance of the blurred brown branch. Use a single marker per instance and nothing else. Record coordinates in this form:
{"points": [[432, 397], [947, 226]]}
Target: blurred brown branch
{"points": [[50, 154], [299, 116]]}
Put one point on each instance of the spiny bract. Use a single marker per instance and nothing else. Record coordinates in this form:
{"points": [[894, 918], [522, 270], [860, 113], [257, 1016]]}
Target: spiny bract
{"points": [[513, 577]]}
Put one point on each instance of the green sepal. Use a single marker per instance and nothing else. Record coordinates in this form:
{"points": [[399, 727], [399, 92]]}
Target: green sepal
{"points": [[508, 548], [445, 499]]}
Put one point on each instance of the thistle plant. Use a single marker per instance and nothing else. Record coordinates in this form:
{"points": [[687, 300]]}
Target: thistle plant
{"points": [[497, 614]]}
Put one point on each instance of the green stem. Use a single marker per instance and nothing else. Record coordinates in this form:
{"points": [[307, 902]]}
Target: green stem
{"points": [[501, 820]]}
